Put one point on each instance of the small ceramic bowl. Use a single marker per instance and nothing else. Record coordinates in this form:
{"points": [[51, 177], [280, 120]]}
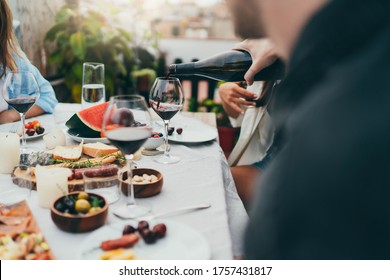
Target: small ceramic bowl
{"points": [[143, 189], [76, 222], [153, 143]]}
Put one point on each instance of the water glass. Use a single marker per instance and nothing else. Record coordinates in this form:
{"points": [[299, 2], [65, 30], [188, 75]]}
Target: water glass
{"points": [[108, 187], [93, 91]]}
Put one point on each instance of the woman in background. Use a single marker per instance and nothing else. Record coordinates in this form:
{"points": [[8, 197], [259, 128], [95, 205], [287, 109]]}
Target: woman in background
{"points": [[12, 58], [249, 156]]}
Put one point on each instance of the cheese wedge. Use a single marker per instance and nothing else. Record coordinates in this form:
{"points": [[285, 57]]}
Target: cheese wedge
{"points": [[98, 149]]}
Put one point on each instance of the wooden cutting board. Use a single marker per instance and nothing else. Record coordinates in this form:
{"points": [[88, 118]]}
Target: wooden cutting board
{"points": [[20, 178]]}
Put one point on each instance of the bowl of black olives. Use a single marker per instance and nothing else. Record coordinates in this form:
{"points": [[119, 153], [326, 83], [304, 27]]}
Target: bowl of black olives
{"points": [[79, 211]]}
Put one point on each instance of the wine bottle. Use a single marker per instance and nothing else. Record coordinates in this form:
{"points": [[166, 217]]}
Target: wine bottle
{"points": [[229, 66]]}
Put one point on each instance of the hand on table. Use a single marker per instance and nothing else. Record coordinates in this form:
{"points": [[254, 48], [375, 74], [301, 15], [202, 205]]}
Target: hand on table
{"points": [[233, 97]]}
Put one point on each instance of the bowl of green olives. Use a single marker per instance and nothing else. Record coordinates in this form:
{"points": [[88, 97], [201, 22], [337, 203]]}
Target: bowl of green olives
{"points": [[79, 211]]}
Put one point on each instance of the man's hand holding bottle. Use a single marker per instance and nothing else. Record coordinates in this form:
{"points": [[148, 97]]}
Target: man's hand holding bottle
{"points": [[234, 95], [262, 52]]}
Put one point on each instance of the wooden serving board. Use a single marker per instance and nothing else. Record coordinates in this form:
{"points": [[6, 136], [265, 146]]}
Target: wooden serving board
{"points": [[20, 178]]}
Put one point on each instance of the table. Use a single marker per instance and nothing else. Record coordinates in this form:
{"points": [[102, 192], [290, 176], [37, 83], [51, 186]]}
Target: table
{"points": [[202, 175]]}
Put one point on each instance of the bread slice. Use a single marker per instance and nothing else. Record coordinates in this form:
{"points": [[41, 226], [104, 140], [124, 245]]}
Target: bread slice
{"points": [[98, 149], [68, 152]]}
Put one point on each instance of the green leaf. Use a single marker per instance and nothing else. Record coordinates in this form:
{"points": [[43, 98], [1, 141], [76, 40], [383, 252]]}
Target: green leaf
{"points": [[78, 45], [55, 58], [51, 35], [62, 39], [64, 15], [121, 68], [77, 70]]}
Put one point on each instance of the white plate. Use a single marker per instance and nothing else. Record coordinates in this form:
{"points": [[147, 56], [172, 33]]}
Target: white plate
{"points": [[78, 138], [35, 136], [195, 134], [180, 243]]}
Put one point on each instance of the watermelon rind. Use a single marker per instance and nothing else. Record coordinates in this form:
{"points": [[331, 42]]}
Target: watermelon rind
{"points": [[77, 125], [82, 122]]}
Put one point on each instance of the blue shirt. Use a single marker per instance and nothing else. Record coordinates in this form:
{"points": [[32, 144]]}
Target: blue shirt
{"points": [[47, 99]]}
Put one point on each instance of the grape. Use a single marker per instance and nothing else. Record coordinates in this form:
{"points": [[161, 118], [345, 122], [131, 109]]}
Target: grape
{"points": [[30, 132], [179, 130], [149, 236], [128, 229], [170, 130], [160, 230], [123, 117], [143, 225], [40, 130]]}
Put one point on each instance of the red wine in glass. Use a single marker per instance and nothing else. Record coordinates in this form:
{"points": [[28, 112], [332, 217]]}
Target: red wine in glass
{"points": [[21, 90], [128, 139], [166, 112], [22, 104], [127, 125], [166, 99]]}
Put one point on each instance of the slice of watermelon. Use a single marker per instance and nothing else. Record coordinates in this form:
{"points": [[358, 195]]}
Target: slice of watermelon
{"points": [[88, 122]]}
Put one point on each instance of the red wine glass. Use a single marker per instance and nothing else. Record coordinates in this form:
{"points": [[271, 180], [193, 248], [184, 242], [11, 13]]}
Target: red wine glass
{"points": [[166, 99], [21, 91], [127, 125]]}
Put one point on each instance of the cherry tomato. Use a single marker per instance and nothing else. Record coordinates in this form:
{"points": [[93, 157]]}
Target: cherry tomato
{"points": [[28, 125]]}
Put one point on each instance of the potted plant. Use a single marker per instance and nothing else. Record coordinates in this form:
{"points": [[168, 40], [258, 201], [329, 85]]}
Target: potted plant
{"points": [[89, 36], [143, 79]]}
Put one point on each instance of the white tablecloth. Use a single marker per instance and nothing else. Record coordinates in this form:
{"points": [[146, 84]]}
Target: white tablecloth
{"points": [[202, 175]]}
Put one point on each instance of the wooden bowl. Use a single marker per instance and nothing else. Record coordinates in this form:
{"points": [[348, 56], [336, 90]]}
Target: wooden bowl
{"points": [[79, 222], [143, 189]]}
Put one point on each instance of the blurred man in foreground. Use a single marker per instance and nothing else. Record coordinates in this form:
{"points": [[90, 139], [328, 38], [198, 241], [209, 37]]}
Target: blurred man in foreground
{"points": [[326, 193]]}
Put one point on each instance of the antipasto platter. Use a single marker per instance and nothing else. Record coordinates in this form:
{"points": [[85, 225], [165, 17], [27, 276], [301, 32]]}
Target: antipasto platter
{"points": [[101, 161]]}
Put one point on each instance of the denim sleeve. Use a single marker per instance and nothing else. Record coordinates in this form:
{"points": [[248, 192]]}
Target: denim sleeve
{"points": [[266, 160], [47, 99]]}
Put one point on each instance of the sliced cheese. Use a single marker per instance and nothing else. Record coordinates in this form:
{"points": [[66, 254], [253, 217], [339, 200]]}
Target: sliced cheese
{"points": [[98, 149], [68, 152]]}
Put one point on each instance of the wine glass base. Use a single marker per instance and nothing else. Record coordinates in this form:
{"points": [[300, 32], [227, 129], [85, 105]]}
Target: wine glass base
{"points": [[132, 211], [167, 159]]}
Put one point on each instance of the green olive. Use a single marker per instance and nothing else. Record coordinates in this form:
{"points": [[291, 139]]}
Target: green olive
{"points": [[82, 205], [83, 195], [93, 210]]}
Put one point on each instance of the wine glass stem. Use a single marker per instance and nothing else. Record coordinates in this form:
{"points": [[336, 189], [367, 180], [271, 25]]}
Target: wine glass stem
{"points": [[166, 150], [130, 186], [22, 117]]}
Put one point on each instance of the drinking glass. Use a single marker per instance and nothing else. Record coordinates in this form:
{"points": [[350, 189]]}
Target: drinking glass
{"points": [[108, 186], [21, 91], [166, 99], [127, 125], [93, 91]]}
